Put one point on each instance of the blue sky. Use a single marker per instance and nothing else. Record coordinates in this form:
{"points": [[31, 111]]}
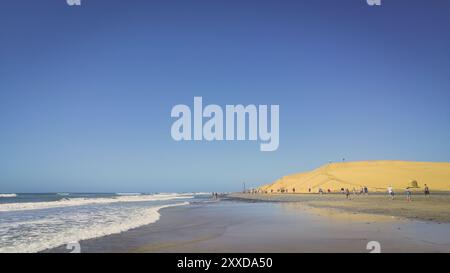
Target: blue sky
{"points": [[86, 92]]}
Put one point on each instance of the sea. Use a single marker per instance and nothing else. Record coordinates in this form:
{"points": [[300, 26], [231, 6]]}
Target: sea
{"points": [[33, 222]]}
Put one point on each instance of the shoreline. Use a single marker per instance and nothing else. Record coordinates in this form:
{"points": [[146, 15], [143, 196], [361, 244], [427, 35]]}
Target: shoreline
{"points": [[429, 209], [231, 225]]}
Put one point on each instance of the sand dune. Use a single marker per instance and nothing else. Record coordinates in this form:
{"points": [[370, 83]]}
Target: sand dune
{"points": [[376, 175]]}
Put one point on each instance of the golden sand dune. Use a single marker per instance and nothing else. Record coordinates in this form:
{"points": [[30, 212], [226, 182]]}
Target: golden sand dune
{"points": [[376, 175]]}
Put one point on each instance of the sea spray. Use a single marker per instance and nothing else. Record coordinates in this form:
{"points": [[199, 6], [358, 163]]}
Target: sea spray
{"points": [[37, 230]]}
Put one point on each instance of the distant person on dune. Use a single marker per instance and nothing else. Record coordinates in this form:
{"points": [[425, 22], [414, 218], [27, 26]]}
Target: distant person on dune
{"points": [[427, 191]]}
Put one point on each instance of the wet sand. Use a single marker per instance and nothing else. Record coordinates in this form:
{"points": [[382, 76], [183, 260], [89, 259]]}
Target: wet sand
{"points": [[434, 208], [237, 226]]}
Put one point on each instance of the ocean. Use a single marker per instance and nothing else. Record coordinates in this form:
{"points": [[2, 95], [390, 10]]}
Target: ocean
{"points": [[36, 222]]}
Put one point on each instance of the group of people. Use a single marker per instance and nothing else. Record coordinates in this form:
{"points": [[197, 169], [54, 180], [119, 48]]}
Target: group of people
{"points": [[215, 195], [408, 192], [321, 191], [363, 191]]}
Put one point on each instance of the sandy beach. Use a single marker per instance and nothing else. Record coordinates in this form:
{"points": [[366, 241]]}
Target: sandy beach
{"points": [[435, 208], [233, 224]]}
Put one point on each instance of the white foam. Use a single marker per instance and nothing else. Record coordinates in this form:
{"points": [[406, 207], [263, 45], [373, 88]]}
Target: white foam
{"points": [[54, 232], [8, 195], [67, 202]]}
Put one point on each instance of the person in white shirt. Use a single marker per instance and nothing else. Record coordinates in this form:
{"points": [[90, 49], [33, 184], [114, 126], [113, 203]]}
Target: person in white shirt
{"points": [[391, 192]]}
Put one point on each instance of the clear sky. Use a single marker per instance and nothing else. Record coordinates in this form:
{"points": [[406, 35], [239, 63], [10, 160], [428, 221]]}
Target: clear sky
{"points": [[86, 92]]}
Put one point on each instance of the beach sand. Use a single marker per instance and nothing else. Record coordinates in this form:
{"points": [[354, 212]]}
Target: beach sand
{"points": [[434, 208], [233, 225]]}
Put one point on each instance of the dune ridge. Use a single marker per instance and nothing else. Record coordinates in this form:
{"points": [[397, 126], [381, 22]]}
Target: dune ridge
{"points": [[376, 175]]}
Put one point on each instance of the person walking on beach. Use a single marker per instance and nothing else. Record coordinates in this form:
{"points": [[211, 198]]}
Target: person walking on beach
{"points": [[366, 190], [391, 192], [408, 195], [427, 191], [347, 193]]}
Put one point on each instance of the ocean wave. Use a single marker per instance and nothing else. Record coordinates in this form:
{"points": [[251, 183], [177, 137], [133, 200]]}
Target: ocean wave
{"points": [[67, 202], [8, 195], [51, 233]]}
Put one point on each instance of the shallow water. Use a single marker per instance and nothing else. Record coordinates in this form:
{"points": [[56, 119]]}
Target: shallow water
{"points": [[232, 226], [35, 222]]}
